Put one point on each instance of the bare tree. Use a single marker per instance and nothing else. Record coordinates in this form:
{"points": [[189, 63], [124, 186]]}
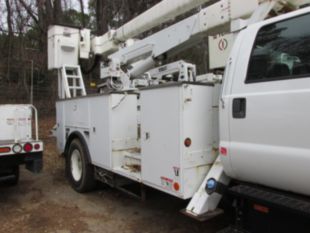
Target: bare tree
{"points": [[10, 32]]}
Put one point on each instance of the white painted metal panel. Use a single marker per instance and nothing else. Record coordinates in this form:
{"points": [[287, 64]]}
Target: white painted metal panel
{"points": [[160, 137], [85, 43], [63, 46], [124, 121], [220, 46], [77, 113], [15, 122], [107, 122], [199, 125], [72, 115], [169, 115], [60, 126], [100, 131], [113, 127]]}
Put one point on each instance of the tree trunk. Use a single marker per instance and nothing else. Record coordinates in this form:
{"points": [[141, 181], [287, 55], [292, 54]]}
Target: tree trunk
{"points": [[83, 13], [102, 16], [57, 13], [10, 31], [48, 12]]}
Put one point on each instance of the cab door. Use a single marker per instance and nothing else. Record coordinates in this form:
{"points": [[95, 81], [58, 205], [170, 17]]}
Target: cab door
{"points": [[268, 106]]}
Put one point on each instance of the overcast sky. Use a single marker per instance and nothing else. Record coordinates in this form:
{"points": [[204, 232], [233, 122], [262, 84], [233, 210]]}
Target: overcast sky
{"points": [[86, 5], [76, 4]]}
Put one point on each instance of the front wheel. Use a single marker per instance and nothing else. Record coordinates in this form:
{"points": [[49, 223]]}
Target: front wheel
{"points": [[79, 170]]}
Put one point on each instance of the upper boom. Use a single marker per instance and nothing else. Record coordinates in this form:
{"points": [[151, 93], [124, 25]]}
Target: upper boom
{"points": [[162, 12]]}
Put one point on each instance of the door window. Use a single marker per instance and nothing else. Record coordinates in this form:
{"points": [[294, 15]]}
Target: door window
{"points": [[281, 51]]}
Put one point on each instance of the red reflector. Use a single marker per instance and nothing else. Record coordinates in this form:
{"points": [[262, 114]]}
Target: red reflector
{"points": [[223, 151], [5, 149], [188, 142], [176, 186], [37, 146], [28, 147], [260, 208]]}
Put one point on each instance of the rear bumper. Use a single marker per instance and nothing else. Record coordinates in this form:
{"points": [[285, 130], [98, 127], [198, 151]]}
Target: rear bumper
{"points": [[33, 161]]}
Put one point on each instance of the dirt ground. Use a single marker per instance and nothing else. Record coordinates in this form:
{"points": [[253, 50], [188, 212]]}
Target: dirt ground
{"points": [[45, 203]]}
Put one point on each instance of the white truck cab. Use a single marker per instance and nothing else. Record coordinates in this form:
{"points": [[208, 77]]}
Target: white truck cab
{"points": [[264, 124]]}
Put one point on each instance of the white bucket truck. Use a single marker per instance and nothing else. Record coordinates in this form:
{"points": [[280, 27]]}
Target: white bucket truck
{"points": [[242, 135]]}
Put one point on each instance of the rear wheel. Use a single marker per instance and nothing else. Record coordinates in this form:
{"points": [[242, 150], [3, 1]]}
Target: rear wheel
{"points": [[80, 171]]}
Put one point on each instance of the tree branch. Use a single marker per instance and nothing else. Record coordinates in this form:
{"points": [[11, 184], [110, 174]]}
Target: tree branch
{"points": [[32, 15]]}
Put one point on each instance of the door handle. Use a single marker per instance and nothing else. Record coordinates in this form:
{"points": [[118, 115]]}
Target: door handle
{"points": [[146, 136], [239, 108]]}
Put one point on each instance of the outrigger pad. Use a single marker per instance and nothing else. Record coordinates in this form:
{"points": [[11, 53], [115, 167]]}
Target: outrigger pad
{"points": [[204, 217]]}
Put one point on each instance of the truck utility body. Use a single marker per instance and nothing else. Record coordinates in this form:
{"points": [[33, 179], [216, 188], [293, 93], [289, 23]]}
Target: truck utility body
{"points": [[115, 146], [241, 133], [17, 144]]}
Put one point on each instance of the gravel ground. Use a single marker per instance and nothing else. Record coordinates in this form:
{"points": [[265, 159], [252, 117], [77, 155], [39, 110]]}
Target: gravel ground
{"points": [[46, 203]]}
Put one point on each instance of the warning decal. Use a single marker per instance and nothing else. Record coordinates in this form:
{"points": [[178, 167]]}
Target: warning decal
{"points": [[166, 183]]}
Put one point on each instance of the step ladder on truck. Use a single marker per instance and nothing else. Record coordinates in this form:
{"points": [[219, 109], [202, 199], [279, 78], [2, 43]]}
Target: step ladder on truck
{"points": [[19, 141], [166, 127]]}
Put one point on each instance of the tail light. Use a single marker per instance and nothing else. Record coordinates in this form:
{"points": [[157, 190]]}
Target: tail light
{"points": [[5, 149], [28, 147], [260, 208], [223, 151], [17, 148], [37, 146], [188, 142]]}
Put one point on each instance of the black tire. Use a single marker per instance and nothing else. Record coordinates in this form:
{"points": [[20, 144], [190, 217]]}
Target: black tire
{"points": [[14, 177], [85, 181]]}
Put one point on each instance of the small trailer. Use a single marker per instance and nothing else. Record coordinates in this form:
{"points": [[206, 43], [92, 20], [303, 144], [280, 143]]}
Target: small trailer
{"points": [[19, 141]]}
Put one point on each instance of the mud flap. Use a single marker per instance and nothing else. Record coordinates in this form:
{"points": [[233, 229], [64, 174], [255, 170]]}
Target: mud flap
{"points": [[35, 163]]}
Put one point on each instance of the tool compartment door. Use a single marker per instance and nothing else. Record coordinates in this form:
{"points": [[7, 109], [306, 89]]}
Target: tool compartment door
{"points": [[160, 136]]}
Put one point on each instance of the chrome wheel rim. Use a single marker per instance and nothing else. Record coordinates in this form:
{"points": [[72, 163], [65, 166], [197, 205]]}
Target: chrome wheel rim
{"points": [[76, 165]]}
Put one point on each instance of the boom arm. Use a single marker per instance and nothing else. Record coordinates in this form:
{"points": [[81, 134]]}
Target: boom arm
{"points": [[164, 11], [223, 16], [160, 13], [215, 18]]}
